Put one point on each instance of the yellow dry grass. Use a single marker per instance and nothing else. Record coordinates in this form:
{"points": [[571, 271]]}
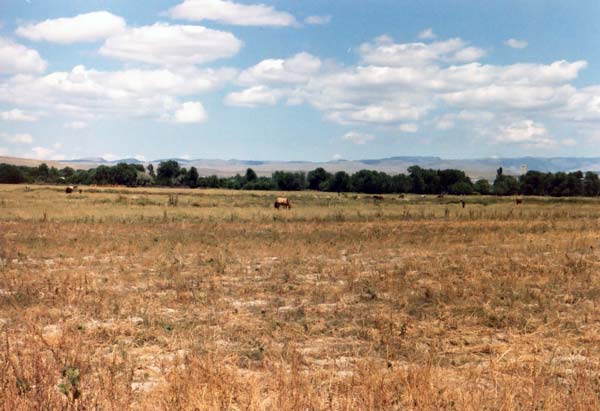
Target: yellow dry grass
{"points": [[166, 299]]}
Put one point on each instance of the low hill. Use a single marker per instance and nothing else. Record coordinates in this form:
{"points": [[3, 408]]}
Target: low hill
{"points": [[475, 168]]}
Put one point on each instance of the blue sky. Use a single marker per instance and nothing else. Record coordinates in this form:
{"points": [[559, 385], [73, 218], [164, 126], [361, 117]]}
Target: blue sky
{"points": [[298, 80]]}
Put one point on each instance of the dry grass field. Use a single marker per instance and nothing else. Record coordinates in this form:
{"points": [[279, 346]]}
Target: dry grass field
{"points": [[164, 299]]}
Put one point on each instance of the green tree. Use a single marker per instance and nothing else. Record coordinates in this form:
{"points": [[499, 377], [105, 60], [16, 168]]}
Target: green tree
{"points": [[191, 178], [150, 169], [416, 175], [401, 183], [317, 179], [209, 182], [43, 172], [143, 179], [482, 187], [591, 184], [67, 173], [250, 175], [454, 182], [461, 188], [505, 185], [371, 182], [10, 174], [289, 181], [534, 183], [340, 182], [261, 183], [167, 172], [124, 174]]}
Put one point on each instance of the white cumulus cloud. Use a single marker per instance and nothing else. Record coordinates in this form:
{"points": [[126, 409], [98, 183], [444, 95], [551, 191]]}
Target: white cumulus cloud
{"points": [[254, 96], [358, 138], [42, 153], [171, 45], [427, 34], [190, 112], [384, 52], [408, 127], [525, 132], [229, 12], [81, 28], [516, 44], [87, 93], [16, 58], [22, 138], [319, 20], [17, 115], [296, 69]]}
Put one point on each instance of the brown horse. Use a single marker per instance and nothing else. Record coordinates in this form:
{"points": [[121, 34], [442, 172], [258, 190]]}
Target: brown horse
{"points": [[70, 189], [282, 202], [518, 201]]}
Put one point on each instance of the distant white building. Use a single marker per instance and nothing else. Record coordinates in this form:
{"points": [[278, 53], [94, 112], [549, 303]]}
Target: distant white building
{"points": [[523, 169]]}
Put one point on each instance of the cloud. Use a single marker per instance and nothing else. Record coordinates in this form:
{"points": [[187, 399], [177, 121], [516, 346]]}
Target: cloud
{"points": [[385, 113], [320, 20], [16, 58], [17, 115], [467, 54], [111, 157], [76, 125], [229, 12], [296, 69], [427, 34], [81, 28], [445, 123], [525, 132], [448, 121], [516, 44], [41, 153], [408, 127], [583, 105], [384, 52], [516, 97], [358, 138], [190, 112], [254, 96], [87, 93], [171, 45], [399, 86], [16, 138], [525, 75], [337, 157]]}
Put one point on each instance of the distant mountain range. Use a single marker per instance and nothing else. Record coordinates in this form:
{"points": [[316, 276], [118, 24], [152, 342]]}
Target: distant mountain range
{"points": [[475, 168]]}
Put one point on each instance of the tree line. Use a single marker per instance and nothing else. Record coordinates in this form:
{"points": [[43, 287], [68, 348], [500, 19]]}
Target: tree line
{"points": [[418, 180]]}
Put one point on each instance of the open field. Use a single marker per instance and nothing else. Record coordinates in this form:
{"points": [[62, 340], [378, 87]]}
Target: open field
{"points": [[166, 299]]}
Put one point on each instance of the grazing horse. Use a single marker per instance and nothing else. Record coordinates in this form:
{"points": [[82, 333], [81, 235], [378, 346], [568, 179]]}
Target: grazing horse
{"points": [[70, 189], [462, 203], [282, 202], [518, 201], [377, 198]]}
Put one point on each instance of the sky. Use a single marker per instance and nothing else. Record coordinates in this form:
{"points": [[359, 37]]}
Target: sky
{"points": [[313, 80]]}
